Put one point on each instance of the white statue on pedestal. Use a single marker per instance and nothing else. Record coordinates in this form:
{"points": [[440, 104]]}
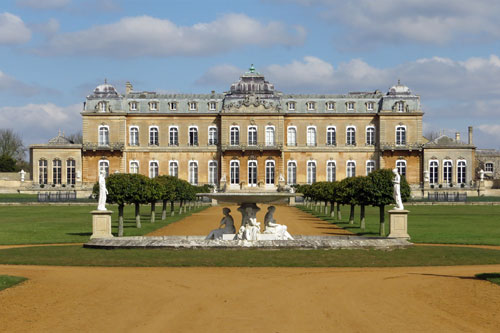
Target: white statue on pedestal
{"points": [[274, 228], [481, 175], [250, 228], [228, 222], [397, 190], [103, 192], [23, 173]]}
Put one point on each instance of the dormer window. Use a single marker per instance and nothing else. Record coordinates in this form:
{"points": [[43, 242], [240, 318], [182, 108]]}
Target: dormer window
{"points": [[291, 106], [350, 106], [133, 106], [310, 106], [212, 106], [102, 106], [400, 106], [153, 106], [192, 106], [173, 106], [369, 106], [330, 106]]}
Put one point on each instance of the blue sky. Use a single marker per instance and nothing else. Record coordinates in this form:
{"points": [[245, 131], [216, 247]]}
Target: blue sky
{"points": [[54, 52]]}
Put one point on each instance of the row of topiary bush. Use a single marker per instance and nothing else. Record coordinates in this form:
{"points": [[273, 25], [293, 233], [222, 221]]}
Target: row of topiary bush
{"points": [[376, 190]]}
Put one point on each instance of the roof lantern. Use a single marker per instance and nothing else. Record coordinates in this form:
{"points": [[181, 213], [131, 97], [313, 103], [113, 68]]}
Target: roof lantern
{"points": [[399, 89], [252, 82], [105, 89]]}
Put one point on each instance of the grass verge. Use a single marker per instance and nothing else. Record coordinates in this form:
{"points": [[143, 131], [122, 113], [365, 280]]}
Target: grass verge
{"points": [[478, 225], [413, 256], [7, 281], [492, 277]]}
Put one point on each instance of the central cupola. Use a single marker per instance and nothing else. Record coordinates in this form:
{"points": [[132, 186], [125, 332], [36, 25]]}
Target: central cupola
{"points": [[250, 83]]}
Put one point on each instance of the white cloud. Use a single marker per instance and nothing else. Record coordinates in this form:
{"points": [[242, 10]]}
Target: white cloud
{"points": [[425, 21], [38, 123], [43, 4], [149, 36], [13, 30], [10, 85]]}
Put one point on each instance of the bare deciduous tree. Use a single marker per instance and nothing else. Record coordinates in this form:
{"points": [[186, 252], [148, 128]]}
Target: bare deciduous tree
{"points": [[76, 137], [11, 144]]}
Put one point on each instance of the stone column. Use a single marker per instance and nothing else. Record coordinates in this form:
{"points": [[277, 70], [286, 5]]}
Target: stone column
{"points": [[101, 224], [398, 223]]}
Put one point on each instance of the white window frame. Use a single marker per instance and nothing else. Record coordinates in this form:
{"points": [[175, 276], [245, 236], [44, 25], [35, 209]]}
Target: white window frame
{"points": [[447, 164], [193, 173], [157, 138], [291, 180], [398, 167], [57, 171], [308, 140], [256, 173], [347, 141], [192, 106], [458, 171], [172, 105], [370, 166], [400, 106], [350, 168], [197, 141], [157, 168], [213, 172], [155, 108], [173, 168], [288, 141], [370, 106], [70, 171], [350, 106], [130, 166], [267, 138], [330, 106], [271, 177], [234, 164], [328, 130], [170, 128], [212, 106], [131, 141], [43, 171], [133, 105], [311, 106], [100, 167], [213, 141], [101, 141], [436, 181], [291, 106], [311, 176], [231, 143], [331, 177], [102, 106], [368, 143], [492, 167], [399, 143], [249, 142]]}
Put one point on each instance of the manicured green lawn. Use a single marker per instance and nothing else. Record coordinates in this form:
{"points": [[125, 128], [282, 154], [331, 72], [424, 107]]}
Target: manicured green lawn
{"points": [[68, 224], [433, 224], [492, 277], [413, 256], [17, 197], [7, 281]]}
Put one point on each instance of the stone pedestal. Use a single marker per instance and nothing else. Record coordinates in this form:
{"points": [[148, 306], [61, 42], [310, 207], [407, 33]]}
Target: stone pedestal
{"points": [[214, 202], [291, 201], [398, 223], [101, 224]]}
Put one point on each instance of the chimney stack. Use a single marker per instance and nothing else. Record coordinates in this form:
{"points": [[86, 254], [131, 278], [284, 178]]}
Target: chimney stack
{"points": [[128, 87], [470, 135], [457, 136]]}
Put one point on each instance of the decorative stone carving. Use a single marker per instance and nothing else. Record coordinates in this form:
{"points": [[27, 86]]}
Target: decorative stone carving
{"points": [[228, 223], [279, 230], [397, 190], [250, 228], [103, 192]]}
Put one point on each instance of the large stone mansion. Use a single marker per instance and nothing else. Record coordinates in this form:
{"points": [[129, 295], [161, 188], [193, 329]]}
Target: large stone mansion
{"points": [[253, 136]]}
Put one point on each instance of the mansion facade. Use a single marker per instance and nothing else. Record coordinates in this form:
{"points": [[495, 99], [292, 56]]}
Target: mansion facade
{"points": [[252, 136]]}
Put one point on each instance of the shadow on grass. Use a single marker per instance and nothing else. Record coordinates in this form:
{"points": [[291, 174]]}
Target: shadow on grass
{"points": [[79, 233], [492, 277]]}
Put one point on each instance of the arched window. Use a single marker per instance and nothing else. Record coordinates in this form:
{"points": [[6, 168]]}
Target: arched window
{"points": [[331, 136], [311, 136], [292, 136], [400, 135], [234, 136], [351, 136], [71, 172], [212, 136], [104, 167], [433, 171], [370, 136], [311, 172], [103, 135], [212, 172], [370, 167], [292, 173], [173, 136], [461, 172], [193, 172], [234, 170], [401, 167], [134, 136], [252, 135], [351, 169], [269, 172], [153, 136], [447, 171], [331, 172], [193, 136], [42, 171], [252, 173], [134, 167], [173, 168], [270, 136], [153, 169]]}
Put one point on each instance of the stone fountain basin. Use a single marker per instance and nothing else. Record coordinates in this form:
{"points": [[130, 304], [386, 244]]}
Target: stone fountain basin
{"points": [[249, 197]]}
